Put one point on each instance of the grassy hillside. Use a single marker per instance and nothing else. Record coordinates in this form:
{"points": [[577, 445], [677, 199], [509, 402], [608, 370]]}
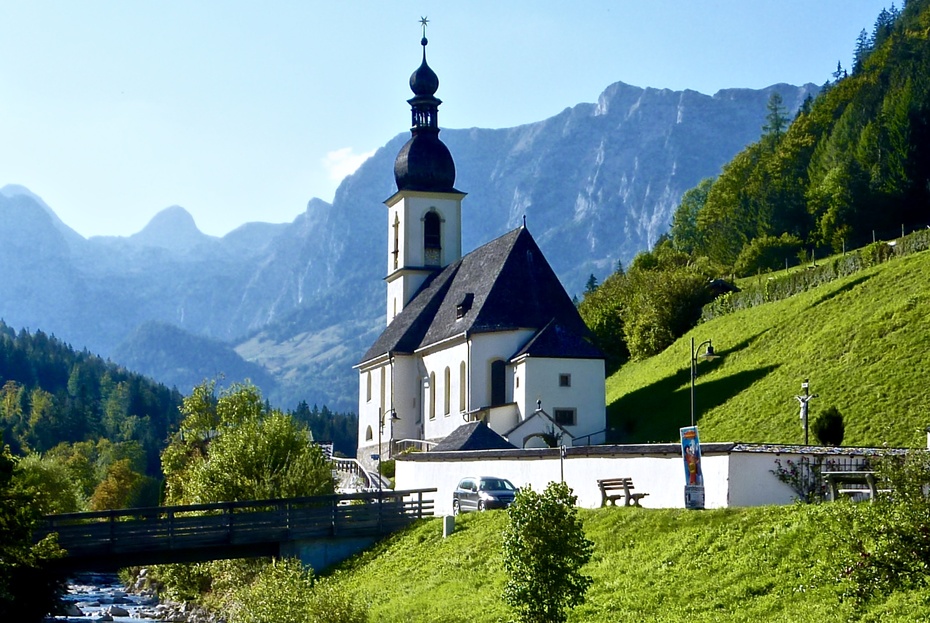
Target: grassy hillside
{"points": [[861, 340], [760, 564]]}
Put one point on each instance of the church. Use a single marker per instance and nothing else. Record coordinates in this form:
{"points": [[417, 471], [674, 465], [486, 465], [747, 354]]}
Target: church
{"points": [[480, 350]]}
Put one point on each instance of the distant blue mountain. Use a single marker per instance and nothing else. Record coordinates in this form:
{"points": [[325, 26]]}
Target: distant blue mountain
{"points": [[597, 183]]}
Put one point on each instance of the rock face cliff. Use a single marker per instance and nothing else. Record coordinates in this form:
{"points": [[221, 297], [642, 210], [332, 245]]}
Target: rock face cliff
{"points": [[597, 183]]}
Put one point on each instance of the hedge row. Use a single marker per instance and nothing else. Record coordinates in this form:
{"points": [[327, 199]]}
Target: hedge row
{"points": [[776, 287]]}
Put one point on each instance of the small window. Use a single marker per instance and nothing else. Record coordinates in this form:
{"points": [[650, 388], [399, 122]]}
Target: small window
{"points": [[368, 434], [368, 386], [498, 383], [564, 417], [565, 380], [383, 390], [447, 392], [432, 395], [462, 386]]}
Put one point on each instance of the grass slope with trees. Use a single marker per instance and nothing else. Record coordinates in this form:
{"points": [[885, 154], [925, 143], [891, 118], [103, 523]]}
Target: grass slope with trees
{"points": [[852, 167], [861, 340], [754, 564]]}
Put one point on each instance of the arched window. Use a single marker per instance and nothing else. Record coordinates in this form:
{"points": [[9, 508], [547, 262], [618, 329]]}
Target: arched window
{"points": [[498, 382], [368, 434], [368, 386], [432, 239], [383, 390], [447, 392], [432, 395], [462, 386]]}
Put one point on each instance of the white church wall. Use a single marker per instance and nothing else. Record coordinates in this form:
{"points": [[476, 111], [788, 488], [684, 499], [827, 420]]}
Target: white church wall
{"points": [[436, 363], [369, 402], [375, 404], [731, 479], [485, 348], [539, 380], [411, 211], [406, 386]]}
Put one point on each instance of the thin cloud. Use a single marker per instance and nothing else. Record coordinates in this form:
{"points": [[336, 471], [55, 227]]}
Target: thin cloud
{"points": [[343, 162]]}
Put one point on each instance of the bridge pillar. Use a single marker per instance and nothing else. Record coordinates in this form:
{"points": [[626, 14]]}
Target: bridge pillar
{"points": [[319, 554]]}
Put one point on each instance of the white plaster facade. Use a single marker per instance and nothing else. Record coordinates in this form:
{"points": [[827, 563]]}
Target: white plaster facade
{"points": [[455, 347], [409, 262], [734, 475]]}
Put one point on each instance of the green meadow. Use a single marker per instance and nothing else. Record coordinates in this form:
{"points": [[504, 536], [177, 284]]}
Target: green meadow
{"points": [[862, 340], [751, 564]]}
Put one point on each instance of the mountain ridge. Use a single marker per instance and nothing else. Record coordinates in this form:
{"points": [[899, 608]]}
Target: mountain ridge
{"points": [[597, 183]]}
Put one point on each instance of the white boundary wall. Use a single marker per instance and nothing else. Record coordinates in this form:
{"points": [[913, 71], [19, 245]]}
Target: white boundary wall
{"points": [[734, 474]]}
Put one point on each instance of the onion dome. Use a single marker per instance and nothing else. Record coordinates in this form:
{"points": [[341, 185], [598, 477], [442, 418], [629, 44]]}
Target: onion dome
{"points": [[424, 163], [424, 80]]}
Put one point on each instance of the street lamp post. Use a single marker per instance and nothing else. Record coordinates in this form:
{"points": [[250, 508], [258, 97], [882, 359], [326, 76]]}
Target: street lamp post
{"points": [[709, 354]]}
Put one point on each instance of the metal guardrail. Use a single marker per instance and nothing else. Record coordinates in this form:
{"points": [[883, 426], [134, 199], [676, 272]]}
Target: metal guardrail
{"points": [[259, 526]]}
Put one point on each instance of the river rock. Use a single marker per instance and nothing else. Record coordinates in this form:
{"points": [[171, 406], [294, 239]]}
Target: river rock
{"points": [[117, 611]]}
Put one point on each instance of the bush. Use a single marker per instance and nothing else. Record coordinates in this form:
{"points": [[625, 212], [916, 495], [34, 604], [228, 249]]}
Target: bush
{"points": [[828, 427], [766, 253], [285, 592], [890, 549], [386, 468], [544, 550]]}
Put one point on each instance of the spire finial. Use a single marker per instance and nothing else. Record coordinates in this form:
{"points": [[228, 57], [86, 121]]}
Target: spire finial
{"points": [[423, 22]]}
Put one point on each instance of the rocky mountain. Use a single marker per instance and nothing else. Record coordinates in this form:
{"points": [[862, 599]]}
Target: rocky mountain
{"points": [[597, 183]]}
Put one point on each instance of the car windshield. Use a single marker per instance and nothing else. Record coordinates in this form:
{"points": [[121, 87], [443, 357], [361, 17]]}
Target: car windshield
{"points": [[496, 484]]}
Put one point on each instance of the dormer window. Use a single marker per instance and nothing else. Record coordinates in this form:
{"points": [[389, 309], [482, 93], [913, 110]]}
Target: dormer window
{"points": [[464, 305]]}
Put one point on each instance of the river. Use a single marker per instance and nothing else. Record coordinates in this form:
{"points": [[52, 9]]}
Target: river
{"points": [[102, 597]]}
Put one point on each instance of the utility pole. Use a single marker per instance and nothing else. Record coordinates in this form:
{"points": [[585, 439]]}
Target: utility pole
{"points": [[803, 400]]}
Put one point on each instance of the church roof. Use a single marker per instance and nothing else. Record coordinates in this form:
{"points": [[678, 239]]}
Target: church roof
{"points": [[472, 436], [505, 285], [555, 340]]}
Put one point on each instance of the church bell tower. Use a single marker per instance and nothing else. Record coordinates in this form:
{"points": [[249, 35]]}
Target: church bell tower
{"points": [[425, 214]]}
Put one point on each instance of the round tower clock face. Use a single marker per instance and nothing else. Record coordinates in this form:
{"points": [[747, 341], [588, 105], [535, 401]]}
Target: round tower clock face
{"points": [[432, 257]]}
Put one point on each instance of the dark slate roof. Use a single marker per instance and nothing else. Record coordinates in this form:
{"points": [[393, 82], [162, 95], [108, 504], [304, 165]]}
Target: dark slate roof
{"points": [[512, 287], [554, 340], [472, 436]]}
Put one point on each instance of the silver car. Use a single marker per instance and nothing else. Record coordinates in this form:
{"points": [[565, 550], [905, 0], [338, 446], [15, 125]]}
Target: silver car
{"points": [[482, 493]]}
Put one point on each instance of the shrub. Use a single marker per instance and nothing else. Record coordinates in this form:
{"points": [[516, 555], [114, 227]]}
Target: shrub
{"points": [[828, 427], [386, 468], [285, 592], [544, 550], [890, 547], [766, 253]]}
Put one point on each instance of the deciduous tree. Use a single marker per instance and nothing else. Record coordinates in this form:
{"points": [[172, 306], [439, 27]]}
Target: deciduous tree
{"points": [[544, 551]]}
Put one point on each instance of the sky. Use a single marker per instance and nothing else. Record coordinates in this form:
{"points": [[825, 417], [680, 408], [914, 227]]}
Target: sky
{"points": [[243, 111]]}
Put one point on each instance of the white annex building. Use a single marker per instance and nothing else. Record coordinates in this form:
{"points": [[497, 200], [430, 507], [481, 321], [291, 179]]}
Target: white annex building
{"points": [[483, 350]]}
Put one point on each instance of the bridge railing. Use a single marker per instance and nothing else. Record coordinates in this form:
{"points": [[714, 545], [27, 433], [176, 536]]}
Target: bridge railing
{"points": [[235, 524]]}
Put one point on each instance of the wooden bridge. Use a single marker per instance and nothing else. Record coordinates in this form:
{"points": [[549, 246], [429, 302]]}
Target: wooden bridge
{"points": [[108, 540]]}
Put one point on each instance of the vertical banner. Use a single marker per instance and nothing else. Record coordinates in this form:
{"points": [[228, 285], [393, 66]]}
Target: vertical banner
{"points": [[694, 479]]}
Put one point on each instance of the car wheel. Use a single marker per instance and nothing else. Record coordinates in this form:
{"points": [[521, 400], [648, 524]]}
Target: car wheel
{"points": [[455, 507], [480, 505]]}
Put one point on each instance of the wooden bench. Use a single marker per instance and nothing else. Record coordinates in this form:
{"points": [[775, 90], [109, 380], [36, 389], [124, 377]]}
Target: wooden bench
{"points": [[624, 489], [862, 477]]}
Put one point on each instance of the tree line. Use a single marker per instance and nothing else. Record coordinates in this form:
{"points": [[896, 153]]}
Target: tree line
{"points": [[852, 164]]}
